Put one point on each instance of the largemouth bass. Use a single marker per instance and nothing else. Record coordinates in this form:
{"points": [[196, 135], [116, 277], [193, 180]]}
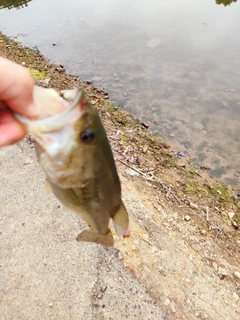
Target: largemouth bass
{"points": [[74, 152]]}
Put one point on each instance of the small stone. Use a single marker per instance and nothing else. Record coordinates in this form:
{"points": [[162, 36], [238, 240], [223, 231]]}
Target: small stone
{"points": [[231, 214], [50, 304], [145, 125], [120, 256], [23, 63], [236, 274], [172, 306], [172, 135], [215, 266], [167, 302], [198, 125], [145, 149], [235, 296], [223, 272], [234, 223], [96, 305], [99, 296], [187, 218], [193, 205]]}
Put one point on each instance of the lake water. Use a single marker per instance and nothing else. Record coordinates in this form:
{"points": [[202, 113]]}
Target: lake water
{"points": [[175, 64]]}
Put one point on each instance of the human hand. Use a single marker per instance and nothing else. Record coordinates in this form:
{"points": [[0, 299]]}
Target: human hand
{"points": [[16, 94]]}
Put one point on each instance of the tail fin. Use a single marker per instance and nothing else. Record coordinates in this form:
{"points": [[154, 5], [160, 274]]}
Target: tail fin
{"points": [[103, 239], [121, 222]]}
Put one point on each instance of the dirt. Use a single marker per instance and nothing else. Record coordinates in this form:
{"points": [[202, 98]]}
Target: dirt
{"points": [[181, 261]]}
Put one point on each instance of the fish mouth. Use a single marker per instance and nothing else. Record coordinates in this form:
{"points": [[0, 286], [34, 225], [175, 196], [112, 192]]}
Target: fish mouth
{"points": [[56, 122]]}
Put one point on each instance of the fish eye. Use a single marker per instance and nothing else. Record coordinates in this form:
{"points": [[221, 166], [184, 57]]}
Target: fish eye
{"points": [[87, 136]]}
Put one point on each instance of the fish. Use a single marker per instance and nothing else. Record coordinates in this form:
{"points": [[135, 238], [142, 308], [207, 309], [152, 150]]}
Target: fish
{"points": [[74, 152]]}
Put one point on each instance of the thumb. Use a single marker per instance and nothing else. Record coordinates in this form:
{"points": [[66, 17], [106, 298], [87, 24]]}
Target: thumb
{"points": [[16, 88]]}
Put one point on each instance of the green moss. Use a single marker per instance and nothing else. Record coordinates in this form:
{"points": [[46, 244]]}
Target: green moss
{"points": [[169, 160], [220, 192], [236, 218], [194, 188], [190, 174], [37, 74], [124, 137], [190, 187]]}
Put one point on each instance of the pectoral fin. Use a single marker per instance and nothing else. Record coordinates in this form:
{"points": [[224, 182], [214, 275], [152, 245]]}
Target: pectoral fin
{"points": [[103, 239], [121, 222]]}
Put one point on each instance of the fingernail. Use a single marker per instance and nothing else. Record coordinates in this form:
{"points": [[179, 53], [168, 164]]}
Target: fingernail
{"points": [[34, 110]]}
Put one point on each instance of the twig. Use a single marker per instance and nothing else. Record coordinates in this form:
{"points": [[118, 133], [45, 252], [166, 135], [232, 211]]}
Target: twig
{"points": [[128, 165], [152, 178]]}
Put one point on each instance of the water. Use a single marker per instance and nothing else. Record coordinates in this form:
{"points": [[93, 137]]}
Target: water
{"points": [[174, 64]]}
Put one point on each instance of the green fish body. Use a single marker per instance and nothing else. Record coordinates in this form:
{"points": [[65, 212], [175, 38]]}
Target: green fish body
{"points": [[73, 150]]}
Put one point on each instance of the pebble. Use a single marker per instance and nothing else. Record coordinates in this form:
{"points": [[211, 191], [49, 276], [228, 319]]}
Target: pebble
{"points": [[187, 218], [215, 266], [172, 306], [193, 205], [50, 304], [236, 274], [198, 125], [145, 149], [167, 302], [120, 256], [235, 296], [231, 215], [223, 271]]}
